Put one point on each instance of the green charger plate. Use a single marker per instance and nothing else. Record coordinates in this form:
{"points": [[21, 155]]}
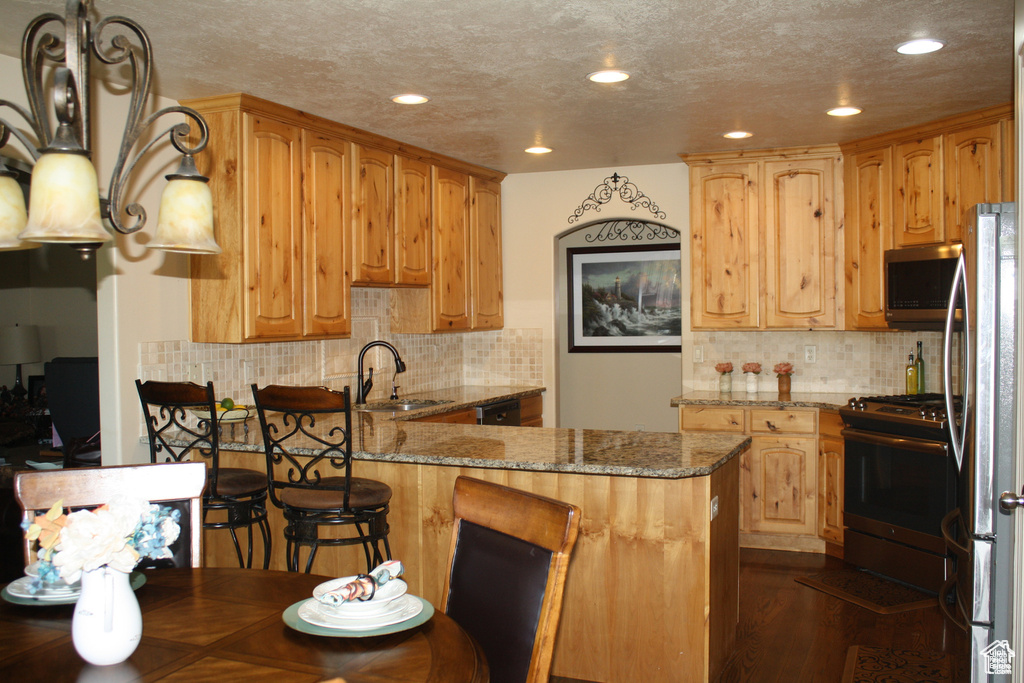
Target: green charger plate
{"points": [[293, 620]]}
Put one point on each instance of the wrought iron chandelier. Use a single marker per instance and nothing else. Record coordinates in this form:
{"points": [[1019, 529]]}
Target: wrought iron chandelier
{"points": [[65, 205]]}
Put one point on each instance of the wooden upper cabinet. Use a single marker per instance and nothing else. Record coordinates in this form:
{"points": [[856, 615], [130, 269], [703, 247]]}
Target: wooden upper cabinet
{"points": [[450, 293], [918, 193], [274, 229], [724, 224], [973, 161], [326, 236], [868, 199], [412, 222], [487, 301], [800, 234], [373, 217]]}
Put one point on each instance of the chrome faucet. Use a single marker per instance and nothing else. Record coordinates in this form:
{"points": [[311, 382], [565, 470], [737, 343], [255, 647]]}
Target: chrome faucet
{"points": [[363, 388]]}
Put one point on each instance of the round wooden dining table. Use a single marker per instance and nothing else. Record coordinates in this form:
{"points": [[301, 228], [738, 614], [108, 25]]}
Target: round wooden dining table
{"points": [[227, 624]]}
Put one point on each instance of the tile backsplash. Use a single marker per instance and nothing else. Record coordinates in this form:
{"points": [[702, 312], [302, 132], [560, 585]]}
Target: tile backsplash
{"points": [[862, 363], [508, 356]]}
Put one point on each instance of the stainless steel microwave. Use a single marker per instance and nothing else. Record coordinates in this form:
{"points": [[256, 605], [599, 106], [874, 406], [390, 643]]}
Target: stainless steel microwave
{"points": [[917, 286]]}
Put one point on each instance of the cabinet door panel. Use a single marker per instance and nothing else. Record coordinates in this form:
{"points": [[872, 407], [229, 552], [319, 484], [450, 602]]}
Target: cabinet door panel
{"points": [[780, 491], [972, 174], [412, 222], [800, 243], [868, 201], [918, 196], [274, 288], [326, 235], [451, 250], [373, 216], [724, 235], [487, 306]]}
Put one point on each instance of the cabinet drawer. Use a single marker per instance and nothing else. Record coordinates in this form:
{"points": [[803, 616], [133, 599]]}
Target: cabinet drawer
{"points": [[707, 419], [774, 421]]}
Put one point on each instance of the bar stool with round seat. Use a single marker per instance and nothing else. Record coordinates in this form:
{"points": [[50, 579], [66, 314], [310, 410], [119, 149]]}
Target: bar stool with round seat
{"points": [[236, 497], [307, 440]]}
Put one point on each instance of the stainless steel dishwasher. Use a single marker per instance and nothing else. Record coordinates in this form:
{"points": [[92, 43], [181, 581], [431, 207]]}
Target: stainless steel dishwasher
{"points": [[499, 413]]}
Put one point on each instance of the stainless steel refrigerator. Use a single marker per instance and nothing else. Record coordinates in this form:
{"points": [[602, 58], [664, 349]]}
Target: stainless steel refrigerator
{"points": [[980, 384]]}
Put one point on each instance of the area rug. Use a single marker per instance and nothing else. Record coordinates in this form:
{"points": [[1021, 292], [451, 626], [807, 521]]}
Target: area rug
{"points": [[869, 591], [882, 665]]}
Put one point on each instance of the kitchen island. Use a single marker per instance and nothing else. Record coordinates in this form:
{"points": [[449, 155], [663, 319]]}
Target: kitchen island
{"points": [[652, 589]]}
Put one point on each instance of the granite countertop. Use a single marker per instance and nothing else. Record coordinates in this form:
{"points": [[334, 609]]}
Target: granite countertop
{"points": [[391, 437], [827, 401]]}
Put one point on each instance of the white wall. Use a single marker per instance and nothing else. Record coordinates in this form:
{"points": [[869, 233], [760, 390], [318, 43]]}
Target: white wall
{"points": [[535, 210]]}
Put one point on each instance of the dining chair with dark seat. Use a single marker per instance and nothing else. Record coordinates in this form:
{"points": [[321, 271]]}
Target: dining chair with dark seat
{"points": [[506, 571], [307, 441], [178, 485], [235, 497]]}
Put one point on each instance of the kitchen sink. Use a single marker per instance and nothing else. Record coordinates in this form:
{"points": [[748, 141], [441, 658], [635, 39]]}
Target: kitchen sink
{"points": [[396, 405]]}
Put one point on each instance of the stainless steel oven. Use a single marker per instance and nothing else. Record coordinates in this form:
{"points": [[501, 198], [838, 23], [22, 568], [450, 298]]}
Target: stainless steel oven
{"points": [[900, 482]]}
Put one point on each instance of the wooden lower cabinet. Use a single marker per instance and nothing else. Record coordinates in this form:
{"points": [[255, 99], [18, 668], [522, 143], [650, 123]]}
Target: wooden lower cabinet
{"points": [[464, 416], [531, 411], [779, 487], [830, 480], [652, 592]]}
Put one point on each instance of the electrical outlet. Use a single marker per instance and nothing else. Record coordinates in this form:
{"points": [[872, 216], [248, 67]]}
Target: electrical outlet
{"points": [[195, 373], [810, 354], [248, 372], [640, 427], [698, 354], [714, 507]]}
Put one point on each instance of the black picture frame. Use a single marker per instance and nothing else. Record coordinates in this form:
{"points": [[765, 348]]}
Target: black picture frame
{"points": [[36, 386], [607, 291]]}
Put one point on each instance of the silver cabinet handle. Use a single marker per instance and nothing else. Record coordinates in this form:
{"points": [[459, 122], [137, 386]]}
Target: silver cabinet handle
{"points": [[1011, 501]]}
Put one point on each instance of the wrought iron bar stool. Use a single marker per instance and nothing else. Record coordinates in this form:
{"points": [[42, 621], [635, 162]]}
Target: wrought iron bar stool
{"points": [[237, 493], [307, 439]]}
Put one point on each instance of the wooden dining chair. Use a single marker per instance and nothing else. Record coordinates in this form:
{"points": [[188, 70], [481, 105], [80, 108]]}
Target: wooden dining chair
{"points": [[235, 497], [509, 554], [307, 441], [179, 484]]}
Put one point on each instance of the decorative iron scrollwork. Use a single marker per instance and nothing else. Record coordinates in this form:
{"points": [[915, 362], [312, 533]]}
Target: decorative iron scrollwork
{"points": [[632, 231], [628, 192]]}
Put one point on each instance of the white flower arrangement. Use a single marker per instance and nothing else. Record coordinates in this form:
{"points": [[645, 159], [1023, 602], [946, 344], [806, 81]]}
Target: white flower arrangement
{"points": [[117, 535]]}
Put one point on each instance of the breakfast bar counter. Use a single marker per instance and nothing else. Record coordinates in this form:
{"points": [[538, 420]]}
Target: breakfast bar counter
{"points": [[652, 588]]}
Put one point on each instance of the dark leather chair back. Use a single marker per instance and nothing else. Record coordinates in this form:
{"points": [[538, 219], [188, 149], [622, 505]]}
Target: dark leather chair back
{"points": [[73, 397]]}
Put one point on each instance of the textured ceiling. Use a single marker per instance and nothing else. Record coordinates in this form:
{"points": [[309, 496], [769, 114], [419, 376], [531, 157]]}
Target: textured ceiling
{"points": [[506, 74]]}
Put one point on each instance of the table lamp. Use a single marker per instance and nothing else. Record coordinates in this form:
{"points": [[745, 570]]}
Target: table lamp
{"points": [[18, 345]]}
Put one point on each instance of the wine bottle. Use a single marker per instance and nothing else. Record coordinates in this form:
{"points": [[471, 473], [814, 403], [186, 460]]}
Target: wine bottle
{"points": [[919, 364], [911, 375]]}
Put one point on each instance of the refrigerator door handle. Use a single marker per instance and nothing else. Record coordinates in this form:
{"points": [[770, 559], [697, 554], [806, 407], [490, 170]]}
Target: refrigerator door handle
{"points": [[959, 287]]}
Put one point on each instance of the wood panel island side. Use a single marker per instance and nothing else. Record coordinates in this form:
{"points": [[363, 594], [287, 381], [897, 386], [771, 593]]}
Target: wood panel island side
{"points": [[652, 589]]}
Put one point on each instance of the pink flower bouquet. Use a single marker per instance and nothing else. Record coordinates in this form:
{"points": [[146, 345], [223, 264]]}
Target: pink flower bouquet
{"points": [[783, 369], [752, 367], [723, 367]]}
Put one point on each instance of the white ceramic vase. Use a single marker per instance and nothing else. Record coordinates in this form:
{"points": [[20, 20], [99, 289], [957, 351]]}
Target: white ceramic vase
{"points": [[107, 624], [725, 383], [751, 382]]}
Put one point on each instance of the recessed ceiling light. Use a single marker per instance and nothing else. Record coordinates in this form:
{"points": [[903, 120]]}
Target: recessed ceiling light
{"points": [[920, 47], [843, 111], [608, 76], [537, 150], [410, 98], [737, 135]]}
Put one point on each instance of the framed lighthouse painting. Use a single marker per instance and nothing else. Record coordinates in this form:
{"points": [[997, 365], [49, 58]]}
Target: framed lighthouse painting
{"points": [[624, 299]]}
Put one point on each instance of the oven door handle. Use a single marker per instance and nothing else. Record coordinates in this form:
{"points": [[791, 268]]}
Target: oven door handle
{"points": [[901, 442]]}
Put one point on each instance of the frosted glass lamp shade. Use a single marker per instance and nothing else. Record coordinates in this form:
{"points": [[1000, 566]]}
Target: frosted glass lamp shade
{"points": [[64, 201], [185, 221], [12, 215]]}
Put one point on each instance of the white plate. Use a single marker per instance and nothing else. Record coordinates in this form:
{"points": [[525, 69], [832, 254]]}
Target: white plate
{"points": [[312, 612], [393, 589], [19, 589]]}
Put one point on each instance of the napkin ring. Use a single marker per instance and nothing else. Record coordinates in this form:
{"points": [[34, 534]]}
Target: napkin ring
{"points": [[373, 587]]}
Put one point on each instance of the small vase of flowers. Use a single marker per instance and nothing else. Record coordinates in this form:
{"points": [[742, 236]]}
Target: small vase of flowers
{"points": [[724, 371], [751, 370], [100, 548], [784, 371]]}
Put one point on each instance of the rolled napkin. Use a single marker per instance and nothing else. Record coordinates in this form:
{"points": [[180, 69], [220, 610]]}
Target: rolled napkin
{"points": [[364, 586]]}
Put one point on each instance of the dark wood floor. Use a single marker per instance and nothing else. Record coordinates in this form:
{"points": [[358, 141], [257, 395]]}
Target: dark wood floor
{"points": [[791, 633]]}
